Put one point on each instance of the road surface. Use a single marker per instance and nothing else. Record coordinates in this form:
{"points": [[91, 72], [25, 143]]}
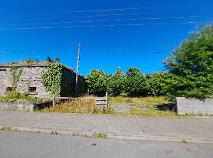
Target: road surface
{"points": [[38, 145]]}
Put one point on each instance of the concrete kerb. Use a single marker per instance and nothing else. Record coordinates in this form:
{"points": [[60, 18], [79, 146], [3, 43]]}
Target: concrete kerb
{"points": [[111, 136]]}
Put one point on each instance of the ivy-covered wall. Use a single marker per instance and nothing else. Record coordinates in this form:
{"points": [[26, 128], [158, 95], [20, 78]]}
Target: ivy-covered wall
{"points": [[51, 79], [60, 81]]}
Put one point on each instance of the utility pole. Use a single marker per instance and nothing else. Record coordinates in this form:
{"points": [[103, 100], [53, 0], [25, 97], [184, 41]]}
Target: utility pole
{"points": [[78, 50]]}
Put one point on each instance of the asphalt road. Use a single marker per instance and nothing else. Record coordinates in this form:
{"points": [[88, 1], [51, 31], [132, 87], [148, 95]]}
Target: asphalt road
{"points": [[34, 145]]}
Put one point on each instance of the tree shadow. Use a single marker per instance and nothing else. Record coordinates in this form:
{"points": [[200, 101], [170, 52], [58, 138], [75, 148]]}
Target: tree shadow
{"points": [[167, 107], [42, 105]]}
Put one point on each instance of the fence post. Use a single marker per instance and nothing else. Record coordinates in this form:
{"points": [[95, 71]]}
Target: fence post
{"points": [[107, 100], [53, 100]]}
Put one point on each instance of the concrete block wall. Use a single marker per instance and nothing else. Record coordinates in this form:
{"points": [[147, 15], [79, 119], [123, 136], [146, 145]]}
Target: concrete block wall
{"points": [[194, 106]]}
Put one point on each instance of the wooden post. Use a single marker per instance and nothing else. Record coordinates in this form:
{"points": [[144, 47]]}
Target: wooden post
{"points": [[53, 100], [107, 100]]}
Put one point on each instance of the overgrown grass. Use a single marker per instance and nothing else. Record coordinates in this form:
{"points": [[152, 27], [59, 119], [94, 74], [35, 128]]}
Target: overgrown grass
{"points": [[14, 96], [142, 107], [8, 129], [145, 107], [81, 105]]}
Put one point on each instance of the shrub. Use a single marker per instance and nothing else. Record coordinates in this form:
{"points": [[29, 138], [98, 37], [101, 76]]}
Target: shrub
{"points": [[52, 78], [136, 83], [97, 83], [115, 84], [164, 84]]}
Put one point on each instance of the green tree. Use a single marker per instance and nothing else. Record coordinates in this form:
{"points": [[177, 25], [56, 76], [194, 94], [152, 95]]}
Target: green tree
{"points": [[136, 83], [193, 60], [165, 84], [97, 83], [115, 84]]}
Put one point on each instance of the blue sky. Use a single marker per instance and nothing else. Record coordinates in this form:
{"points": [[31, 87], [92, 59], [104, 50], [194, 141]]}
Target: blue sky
{"points": [[44, 31]]}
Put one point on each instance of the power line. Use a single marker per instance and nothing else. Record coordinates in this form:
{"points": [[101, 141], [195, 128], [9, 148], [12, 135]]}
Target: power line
{"points": [[99, 15], [100, 10], [91, 21], [94, 26], [122, 9]]}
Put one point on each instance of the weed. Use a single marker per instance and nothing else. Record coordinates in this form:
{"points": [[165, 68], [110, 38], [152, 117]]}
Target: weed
{"points": [[14, 96], [100, 135], [8, 129]]}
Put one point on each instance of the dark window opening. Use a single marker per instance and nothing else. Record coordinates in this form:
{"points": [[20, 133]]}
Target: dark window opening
{"points": [[10, 89], [2, 69], [32, 89]]}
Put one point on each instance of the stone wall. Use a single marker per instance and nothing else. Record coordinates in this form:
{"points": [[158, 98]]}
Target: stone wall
{"points": [[4, 80], [194, 106], [30, 77]]}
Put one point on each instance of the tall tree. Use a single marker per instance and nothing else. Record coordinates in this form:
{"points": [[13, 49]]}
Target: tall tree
{"points": [[193, 60]]}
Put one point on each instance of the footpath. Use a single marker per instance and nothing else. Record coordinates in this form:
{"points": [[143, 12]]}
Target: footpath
{"points": [[192, 130]]}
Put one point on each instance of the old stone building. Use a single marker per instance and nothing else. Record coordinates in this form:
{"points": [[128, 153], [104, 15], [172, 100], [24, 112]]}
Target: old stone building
{"points": [[29, 80]]}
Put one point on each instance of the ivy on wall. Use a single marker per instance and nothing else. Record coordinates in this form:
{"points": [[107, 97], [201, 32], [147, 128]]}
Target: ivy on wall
{"points": [[52, 78], [15, 74]]}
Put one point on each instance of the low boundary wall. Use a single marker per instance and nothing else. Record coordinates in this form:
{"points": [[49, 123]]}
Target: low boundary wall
{"points": [[21, 106], [194, 106]]}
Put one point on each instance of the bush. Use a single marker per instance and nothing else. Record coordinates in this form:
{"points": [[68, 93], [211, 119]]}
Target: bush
{"points": [[196, 87], [115, 84], [136, 83], [97, 83], [164, 84]]}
